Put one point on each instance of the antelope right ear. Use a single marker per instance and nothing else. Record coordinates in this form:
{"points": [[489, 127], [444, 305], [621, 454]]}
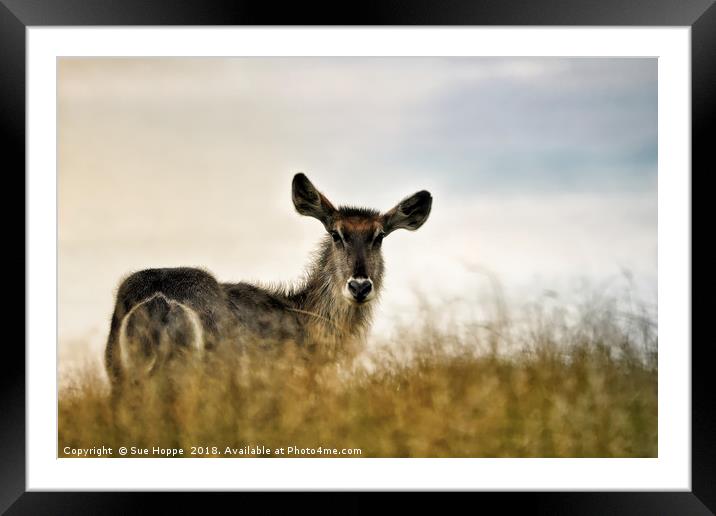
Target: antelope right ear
{"points": [[410, 213], [310, 202]]}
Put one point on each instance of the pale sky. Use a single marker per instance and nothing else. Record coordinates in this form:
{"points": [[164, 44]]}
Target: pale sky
{"points": [[543, 171]]}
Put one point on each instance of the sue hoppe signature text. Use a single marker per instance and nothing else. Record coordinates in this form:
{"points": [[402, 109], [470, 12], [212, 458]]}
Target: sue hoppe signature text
{"points": [[211, 451]]}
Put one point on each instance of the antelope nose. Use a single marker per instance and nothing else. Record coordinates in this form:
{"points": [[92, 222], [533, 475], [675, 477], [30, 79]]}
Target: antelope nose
{"points": [[360, 288]]}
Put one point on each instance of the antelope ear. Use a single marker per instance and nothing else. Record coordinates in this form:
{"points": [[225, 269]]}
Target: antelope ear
{"points": [[310, 202], [410, 213]]}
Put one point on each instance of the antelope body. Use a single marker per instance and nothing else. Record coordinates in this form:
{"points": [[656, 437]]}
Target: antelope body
{"points": [[162, 313]]}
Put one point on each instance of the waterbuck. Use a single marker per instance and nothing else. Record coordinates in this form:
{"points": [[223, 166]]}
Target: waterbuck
{"points": [[163, 313]]}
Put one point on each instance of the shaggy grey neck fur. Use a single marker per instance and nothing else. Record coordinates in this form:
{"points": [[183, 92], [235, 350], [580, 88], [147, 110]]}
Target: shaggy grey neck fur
{"points": [[326, 312]]}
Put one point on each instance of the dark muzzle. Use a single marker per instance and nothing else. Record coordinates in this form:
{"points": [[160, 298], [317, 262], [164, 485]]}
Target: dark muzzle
{"points": [[360, 288]]}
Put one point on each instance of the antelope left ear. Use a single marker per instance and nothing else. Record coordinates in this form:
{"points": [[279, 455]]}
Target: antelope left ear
{"points": [[410, 213], [310, 202]]}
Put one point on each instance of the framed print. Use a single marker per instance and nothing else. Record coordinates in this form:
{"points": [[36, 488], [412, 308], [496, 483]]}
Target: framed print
{"points": [[289, 254]]}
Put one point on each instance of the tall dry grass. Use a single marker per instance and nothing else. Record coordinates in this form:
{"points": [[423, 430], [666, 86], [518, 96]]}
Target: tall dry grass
{"points": [[579, 381]]}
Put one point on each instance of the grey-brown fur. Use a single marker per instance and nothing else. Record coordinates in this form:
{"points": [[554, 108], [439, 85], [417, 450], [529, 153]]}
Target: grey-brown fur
{"points": [[163, 313]]}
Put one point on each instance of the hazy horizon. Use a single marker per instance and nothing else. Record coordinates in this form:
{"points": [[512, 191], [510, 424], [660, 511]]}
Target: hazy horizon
{"points": [[543, 172]]}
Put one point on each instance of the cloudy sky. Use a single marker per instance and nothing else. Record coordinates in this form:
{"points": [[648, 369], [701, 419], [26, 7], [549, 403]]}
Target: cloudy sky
{"points": [[543, 171]]}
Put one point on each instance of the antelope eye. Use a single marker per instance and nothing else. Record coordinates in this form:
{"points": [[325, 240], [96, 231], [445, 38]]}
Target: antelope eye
{"points": [[336, 236]]}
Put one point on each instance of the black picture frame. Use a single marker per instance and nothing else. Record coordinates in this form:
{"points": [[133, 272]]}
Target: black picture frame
{"points": [[17, 15]]}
